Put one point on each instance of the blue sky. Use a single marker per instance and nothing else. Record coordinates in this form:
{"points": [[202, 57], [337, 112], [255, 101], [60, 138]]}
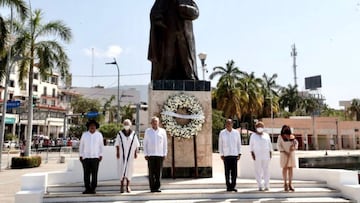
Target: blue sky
{"points": [[256, 34]]}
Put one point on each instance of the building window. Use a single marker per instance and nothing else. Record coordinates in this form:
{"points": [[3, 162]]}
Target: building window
{"points": [[54, 80], [54, 92], [11, 96], [45, 91], [53, 103], [35, 88], [23, 87], [36, 76], [43, 101], [12, 83]]}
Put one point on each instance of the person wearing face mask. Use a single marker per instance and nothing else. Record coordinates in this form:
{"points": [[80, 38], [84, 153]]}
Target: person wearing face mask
{"points": [[261, 152], [230, 152], [126, 144], [287, 144]]}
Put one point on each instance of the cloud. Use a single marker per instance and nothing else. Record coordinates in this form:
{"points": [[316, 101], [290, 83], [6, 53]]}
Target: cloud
{"points": [[112, 51]]}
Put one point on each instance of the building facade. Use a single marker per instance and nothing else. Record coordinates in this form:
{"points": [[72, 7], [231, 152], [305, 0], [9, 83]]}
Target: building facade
{"points": [[47, 111], [318, 133]]}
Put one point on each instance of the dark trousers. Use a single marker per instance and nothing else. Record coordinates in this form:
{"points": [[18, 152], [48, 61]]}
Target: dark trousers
{"points": [[155, 164], [230, 165], [91, 167]]}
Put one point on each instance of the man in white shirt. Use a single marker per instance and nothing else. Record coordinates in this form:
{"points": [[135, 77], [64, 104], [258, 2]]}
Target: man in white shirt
{"points": [[230, 152], [155, 151], [261, 152], [91, 152]]}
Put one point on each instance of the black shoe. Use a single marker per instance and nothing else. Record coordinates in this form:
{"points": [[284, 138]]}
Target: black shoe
{"points": [[87, 192], [92, 192], [228, 189], [157, 190], [235, 190]]}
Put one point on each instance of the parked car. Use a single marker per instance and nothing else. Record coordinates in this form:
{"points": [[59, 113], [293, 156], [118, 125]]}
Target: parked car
{"points": [[9, 145]]}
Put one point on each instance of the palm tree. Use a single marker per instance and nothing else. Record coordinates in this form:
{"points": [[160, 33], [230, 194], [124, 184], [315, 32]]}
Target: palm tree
{"points": [[22, 10], [251, 85], [355, 109], [289, 98], [228, 97], [47, 55], [127, 112], [228, 75], [270, 93], [110, 109], [309, 105]]}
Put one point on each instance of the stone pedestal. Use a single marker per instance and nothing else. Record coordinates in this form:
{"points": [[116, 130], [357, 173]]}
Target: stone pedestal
{"points": [[181, 161]]}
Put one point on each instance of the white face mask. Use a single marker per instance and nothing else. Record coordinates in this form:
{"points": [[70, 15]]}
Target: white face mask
{"points": [[126, 127], [260, 130]]}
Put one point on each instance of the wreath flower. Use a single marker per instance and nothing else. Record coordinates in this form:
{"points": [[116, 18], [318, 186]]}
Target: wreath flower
{"points": [[194, 116]]}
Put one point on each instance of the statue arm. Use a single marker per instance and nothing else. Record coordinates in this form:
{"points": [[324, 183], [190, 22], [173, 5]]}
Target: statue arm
{"points": [[188, 9]]}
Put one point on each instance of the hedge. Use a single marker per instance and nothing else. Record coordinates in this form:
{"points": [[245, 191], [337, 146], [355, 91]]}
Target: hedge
{"points": [[25, 162]]}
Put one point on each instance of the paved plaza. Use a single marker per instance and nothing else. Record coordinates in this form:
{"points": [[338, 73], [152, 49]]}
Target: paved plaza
{"points": [[10, 179]]}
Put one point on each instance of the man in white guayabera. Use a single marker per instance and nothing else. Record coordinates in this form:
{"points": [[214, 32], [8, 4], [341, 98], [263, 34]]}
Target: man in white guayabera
{"points": [[230, 152], [261, 152], [155, 151]]}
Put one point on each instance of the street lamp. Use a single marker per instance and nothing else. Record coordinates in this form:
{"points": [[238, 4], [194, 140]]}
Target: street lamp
{"points": [[118, 89], [202, 57]]}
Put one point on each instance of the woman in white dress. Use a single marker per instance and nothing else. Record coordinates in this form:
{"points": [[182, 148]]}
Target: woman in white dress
{"points": [[126, 144]]}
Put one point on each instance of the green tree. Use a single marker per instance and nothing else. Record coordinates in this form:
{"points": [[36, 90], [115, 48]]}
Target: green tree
{"points": [[228, 97], [355, 109], [84, 105], [251, 86], [289, 98], [127, 112], [110, 131], [36, 40], [270, 95], [309, 105], [77, 130], [22, 10], [109, 109], [218, 123]]}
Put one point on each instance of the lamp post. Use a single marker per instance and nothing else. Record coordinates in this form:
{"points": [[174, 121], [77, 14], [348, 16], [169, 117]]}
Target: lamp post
{"points": [[202, 57], [118, 89]]}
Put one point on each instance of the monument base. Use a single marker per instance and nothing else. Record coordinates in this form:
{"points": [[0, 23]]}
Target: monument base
{"points": [[186, 172], [192, 157]]}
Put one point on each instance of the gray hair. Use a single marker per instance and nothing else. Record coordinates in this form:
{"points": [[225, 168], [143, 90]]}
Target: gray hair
{"points": [[154, 118], [127, 121]]}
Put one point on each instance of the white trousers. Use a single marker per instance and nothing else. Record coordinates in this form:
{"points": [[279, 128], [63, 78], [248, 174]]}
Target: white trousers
{"points": [[262, 172]]}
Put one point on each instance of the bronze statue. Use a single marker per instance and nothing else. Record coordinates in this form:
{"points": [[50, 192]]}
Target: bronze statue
{"points": [[172, 44]]}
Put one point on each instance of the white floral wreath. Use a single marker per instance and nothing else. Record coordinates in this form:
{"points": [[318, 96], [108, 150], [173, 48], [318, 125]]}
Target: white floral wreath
{"points": [[169, 115]]}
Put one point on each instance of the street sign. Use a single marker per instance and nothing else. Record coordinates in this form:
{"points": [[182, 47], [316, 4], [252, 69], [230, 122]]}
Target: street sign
{"points": [[92, 114], [12, 104]]}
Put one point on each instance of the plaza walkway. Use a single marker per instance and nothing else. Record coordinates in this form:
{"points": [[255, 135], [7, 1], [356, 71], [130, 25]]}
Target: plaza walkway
{"points": [[10, 179]]}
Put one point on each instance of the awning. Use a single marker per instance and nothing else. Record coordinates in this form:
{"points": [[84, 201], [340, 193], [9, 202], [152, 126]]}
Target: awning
{"points": [[9, 120]]}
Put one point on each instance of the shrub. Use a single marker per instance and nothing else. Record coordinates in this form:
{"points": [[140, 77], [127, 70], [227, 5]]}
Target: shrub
{"points": [[25, 162]]}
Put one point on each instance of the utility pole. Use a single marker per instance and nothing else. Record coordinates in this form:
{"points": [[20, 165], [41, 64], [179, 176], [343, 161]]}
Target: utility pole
{"points": [[294, 54]]}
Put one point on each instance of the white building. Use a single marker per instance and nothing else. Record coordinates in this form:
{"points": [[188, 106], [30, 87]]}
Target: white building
{"points": [[48, 113]]}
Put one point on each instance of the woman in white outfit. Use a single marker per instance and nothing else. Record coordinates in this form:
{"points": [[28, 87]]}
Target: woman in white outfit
{"points": [[126, 144], [287, 144]]}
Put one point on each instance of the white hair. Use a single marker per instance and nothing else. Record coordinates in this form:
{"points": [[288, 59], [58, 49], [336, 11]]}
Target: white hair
{"points": [[127, 121], [154, 118]]}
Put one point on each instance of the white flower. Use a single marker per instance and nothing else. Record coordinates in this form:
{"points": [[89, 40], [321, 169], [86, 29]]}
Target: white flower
{"points": [[183, 101]]}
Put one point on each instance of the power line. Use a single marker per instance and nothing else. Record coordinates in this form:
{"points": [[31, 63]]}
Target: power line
{"points": [[104, 76]]}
